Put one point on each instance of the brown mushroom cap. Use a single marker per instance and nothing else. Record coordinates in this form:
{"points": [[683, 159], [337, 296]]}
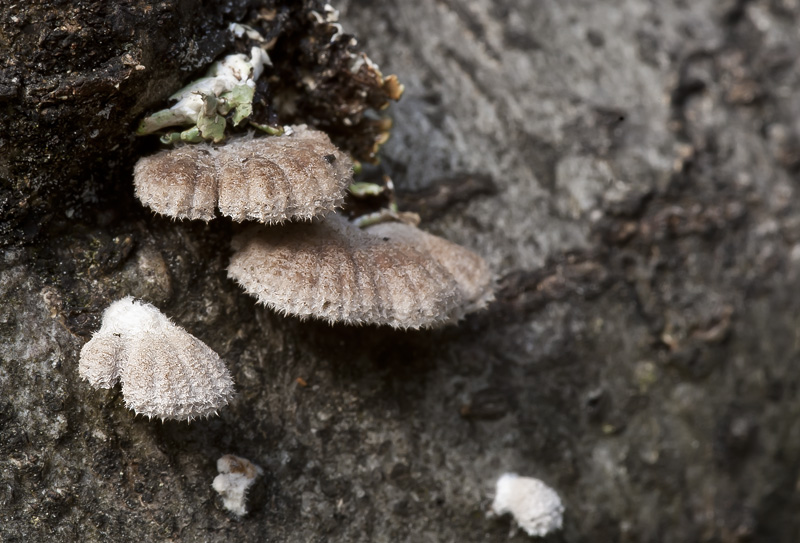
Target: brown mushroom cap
{"points": [[269, 179], [165, 372], [333, 270]]}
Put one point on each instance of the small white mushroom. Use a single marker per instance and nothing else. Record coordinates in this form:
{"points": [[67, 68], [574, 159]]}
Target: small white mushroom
{"points": [[165, 372], [298, 175], [389, 273], [536, 507], [236, 476]]}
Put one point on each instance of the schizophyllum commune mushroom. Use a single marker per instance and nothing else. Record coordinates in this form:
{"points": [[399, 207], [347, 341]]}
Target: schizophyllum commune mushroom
{"points": [[166, 372], [295, 176], [388, 273]]}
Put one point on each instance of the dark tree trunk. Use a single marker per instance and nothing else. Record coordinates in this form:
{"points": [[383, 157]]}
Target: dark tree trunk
{"points": [[630, 173]]}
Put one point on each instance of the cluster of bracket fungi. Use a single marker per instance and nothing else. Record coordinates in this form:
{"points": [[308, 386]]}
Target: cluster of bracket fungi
{"points": [[364, 265], [299, 256]]}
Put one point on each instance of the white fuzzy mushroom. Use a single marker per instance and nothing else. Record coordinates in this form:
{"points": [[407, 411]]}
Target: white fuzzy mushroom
{"points": [[165, 372], [536, 507], [298, 175], [390, 273], [236, 476]]}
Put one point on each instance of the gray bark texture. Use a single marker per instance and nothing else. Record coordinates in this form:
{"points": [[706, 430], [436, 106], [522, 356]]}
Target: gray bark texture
{"points": [[630, 171]]}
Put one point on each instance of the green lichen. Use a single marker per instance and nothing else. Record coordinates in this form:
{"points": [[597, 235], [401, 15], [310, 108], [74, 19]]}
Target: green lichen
{"points": [[206, 105], [362, 189]]}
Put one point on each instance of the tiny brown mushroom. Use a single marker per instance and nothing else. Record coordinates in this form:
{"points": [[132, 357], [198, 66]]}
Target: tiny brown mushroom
{"points": [[395, 275], [298, 175]]}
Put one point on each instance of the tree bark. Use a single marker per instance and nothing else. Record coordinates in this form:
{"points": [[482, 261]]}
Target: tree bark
{"points": [[630, 174]]}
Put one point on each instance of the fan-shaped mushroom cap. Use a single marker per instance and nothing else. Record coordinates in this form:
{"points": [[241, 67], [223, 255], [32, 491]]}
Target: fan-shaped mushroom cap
{"points": [[269, 179], [165, 371], [334, 270]]}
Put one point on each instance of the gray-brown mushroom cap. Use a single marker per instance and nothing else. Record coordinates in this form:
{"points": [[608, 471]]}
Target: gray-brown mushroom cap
{"points": [[333, 270], [469, 270], [299, 175], [165, 372]]}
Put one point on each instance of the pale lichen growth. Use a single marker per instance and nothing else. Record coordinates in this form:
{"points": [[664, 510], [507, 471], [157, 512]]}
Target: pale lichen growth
{"points": [[536, 507], [228, 86], [165, 372], [236, 476]]}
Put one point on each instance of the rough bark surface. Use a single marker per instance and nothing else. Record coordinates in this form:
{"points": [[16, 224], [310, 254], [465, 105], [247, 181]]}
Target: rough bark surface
{"points": [[629, 172]]}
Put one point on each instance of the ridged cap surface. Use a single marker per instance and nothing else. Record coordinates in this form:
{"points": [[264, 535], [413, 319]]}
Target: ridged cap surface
{"points": [[165, 372], [395, 275], [267, 179]]}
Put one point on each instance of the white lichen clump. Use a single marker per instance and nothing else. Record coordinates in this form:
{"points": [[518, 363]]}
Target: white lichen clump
{"points": [[165, 372], [236, 476], [536, 507]]}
